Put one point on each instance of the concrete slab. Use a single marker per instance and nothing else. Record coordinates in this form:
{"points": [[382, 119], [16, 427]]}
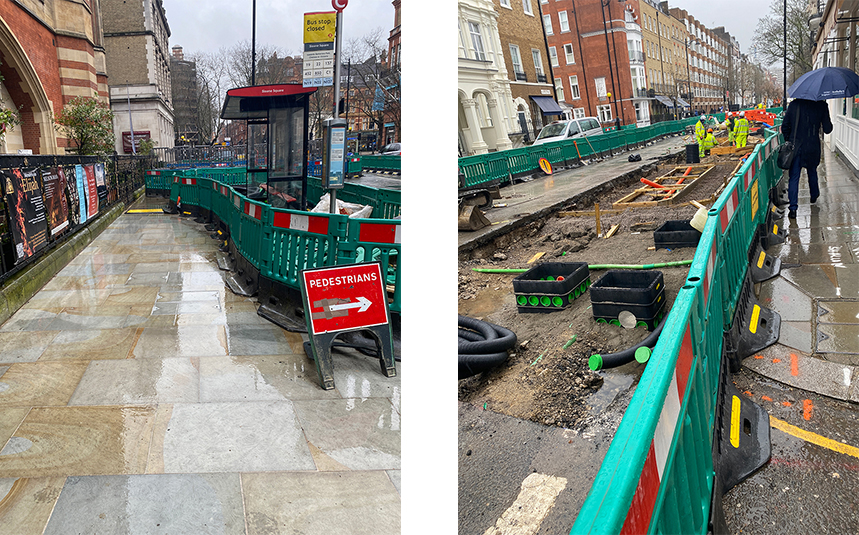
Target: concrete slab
{"points": [[257, 340], [24, 346], [91, 344], [181, 341], [839, 338], [171, 503], [787, 300], [260, 378], [360, 434], [28, 503], [138, 381], [828, 253], [838, 312], [800, 370], [812, 279], [847, 233], [229, 437], [347, 503], [40, 383], [31, 319], [796, 335]]}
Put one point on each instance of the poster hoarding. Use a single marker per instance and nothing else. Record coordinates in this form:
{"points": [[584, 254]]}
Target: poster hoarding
{"points": [[54, 184], [26, 211], [80, 178], [91, 192]]}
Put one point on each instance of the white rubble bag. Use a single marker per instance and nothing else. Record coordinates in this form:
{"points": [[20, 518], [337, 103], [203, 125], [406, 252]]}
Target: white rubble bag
{"points": [[353, 210]]}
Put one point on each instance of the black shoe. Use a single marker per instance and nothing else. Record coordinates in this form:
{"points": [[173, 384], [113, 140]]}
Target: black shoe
{"points": [[814, 199], [791, 214]]}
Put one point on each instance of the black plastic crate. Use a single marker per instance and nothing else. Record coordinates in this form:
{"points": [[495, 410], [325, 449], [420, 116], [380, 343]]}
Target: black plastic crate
{"points": [[551, 286], [675, 235], [642, 293]]}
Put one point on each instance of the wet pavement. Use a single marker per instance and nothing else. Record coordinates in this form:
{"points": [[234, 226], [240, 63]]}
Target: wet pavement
{"points": [[139, 395], [377, 180], [547, 191], [809, 381]]}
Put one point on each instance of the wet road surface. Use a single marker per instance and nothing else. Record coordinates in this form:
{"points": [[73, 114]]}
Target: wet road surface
{"points": [[139, 395]]}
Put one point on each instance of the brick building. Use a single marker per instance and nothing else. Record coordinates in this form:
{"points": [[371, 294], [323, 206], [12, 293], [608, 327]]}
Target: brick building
{"points": [[707, 63], [51, 52], [183, 82], [138, 67], [598, 52], [665, 60], [526, 58], [394, 50]]}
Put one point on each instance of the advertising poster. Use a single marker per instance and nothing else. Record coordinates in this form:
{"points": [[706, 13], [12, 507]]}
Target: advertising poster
{"points": [[100, 183], [80, 176], [91, 192], [74, 206], [26, 211], [54, 187]]}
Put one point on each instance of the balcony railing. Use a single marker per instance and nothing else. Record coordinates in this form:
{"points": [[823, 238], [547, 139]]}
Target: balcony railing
{"points": [[639, 92], [541, 78], [521, 76], [636, 56]]}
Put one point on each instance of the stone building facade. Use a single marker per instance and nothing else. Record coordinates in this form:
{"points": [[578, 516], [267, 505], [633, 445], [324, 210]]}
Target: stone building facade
{"points": [[708, 54], [183, 83], [138, 69], [51, 51]]}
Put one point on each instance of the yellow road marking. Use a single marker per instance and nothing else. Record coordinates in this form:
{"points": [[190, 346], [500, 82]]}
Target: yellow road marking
{"points": [[535, 499], [735, 422], [145, 211], [753, 325], [814, 438]]}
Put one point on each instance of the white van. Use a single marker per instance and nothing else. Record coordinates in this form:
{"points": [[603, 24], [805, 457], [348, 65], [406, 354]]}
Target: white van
{"points": [[569, 129]]}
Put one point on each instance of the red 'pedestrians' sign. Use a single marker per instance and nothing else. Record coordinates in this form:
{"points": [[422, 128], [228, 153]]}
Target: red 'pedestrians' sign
{"points": [[343, 298]]}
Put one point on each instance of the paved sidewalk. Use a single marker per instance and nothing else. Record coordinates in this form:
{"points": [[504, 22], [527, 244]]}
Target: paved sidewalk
{"points": [[817, 291], [138, 395]]}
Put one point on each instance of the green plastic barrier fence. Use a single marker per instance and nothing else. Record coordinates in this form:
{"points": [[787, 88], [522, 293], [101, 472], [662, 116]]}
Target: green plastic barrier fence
{"points": [[281, 243], [658, 473], [381, 163], [385, 202], [160, 179]]}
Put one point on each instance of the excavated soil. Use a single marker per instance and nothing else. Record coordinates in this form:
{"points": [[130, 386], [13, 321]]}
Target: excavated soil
{"points": [[541, 380]]}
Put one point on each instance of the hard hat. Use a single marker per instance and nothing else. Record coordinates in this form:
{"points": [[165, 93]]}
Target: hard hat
{"points": [[742, 114], [710, 130]]}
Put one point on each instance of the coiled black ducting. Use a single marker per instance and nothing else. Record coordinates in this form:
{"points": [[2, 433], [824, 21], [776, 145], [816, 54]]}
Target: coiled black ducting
{"points": [[482, 346], [626, 356]]}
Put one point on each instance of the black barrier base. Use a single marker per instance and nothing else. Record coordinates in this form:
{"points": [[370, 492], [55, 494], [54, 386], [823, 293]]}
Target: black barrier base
{"points": [[761, 265], [226, 262], [717, 525], [742, 435], [320, 345], [281, 305], [753, 328], [245, 279], [170, 208], [773, 233], [778, 196]]}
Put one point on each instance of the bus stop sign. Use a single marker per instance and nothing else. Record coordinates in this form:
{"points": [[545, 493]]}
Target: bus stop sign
{"points": [[345, 298]]}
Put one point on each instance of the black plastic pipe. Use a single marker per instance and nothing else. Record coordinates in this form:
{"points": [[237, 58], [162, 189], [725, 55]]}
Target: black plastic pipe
{"points": [[613, 360]]}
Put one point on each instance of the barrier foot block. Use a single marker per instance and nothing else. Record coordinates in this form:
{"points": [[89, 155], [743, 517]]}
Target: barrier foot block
{"points": [[225, 261], [744, 441], [773, 232], [245, 279], [281, 305], [753, 329], [763, 266]]}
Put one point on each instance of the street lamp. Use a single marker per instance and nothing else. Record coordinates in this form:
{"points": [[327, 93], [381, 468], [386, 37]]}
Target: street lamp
{"points": [[603, 5]]}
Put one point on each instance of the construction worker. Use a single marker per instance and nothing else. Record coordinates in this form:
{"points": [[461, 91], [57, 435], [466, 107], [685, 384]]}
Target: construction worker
{"points": [[741, 131], [708, 143], [700, 131], [729, 124]]}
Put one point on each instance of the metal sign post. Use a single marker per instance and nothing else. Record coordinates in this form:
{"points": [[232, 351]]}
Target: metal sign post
{"points": [[339, 5], [333, 167]]}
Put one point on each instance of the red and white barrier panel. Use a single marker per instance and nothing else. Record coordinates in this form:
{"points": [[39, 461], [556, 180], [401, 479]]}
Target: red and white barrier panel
{"points": [[156, 173], [643, 502], [711, 271], [728, 209], [379, 233], [304, 223], [189, 181], [253, 210]]}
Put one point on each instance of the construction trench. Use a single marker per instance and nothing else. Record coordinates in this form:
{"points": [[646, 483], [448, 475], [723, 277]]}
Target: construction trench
{"points": [[546, 378]]}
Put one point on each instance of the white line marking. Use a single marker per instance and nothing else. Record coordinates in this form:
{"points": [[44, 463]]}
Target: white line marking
{"points": [[531, 506]]}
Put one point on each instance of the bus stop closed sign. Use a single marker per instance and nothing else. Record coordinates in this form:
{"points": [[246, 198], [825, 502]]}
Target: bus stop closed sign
{"points": [[344, 298]]}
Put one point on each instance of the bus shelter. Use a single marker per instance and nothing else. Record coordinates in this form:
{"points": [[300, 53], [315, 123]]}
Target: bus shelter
{"points": [[277, 127]]}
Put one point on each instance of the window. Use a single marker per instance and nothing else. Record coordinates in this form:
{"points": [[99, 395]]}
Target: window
{"points": [[547, 24], [641, 112], [574, 88], [568, 52], [506, 3], [476, 41], [538, 61], [553, 57], [600, 86], [526, 6], [516, 59], [559, 89], [565, 24], [578, 113], [604, 113]]}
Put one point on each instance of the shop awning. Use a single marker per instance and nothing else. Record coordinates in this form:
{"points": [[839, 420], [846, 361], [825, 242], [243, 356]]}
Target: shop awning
{"points": [[665, 100], [547, 104], [682, 103]]}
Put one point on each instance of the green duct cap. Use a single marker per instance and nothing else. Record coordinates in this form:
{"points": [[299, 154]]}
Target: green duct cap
{"points": [[595, 362], [642, 354]]}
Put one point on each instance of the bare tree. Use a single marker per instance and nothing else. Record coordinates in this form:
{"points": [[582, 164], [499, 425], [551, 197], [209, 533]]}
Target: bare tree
{"points": [[769, 42], [212, 85], [271, 69]]}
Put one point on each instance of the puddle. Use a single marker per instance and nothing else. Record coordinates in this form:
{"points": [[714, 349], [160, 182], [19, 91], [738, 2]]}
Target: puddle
{"points": [[613, 384]]}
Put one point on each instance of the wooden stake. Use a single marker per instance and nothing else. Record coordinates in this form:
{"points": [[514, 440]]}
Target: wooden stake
{"points": [[597, 213], [611, 232]]}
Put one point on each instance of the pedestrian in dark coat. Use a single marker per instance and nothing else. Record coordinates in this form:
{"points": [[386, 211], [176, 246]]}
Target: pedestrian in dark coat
{"points": [[813, 114]]}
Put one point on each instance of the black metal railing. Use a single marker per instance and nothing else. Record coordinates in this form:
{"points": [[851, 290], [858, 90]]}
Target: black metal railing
{"points": [[196, 155], [521, 76], [35, 219], [541, 78]]}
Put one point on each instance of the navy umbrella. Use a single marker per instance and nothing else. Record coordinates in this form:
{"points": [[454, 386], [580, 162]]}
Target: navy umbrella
{"points": [[825, 83]]}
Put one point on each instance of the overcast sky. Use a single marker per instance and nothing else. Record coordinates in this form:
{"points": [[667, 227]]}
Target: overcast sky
{"points": [[210, 24], [739, 17]]}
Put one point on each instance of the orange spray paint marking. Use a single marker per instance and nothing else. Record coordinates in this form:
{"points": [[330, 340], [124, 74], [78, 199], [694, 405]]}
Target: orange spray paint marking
{"points": [[776, 361], [794, 365], [807, 408], [787, 403], [766, 398], [748, 393], [759, 356]]}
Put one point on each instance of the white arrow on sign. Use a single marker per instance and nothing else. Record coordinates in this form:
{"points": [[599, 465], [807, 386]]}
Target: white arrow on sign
{"points": [[361, 304]]}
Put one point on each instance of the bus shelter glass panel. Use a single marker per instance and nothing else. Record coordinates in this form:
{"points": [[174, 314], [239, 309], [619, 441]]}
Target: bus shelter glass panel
{"points": [[286, 170], [257, 155]]}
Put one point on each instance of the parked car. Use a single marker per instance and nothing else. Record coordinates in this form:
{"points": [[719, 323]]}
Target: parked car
{"points": [[569, 129], [391, 149]]}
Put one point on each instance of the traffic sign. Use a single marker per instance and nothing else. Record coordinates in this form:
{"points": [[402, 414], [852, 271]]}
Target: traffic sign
{"points": [[344, 298], [339, 5]]}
